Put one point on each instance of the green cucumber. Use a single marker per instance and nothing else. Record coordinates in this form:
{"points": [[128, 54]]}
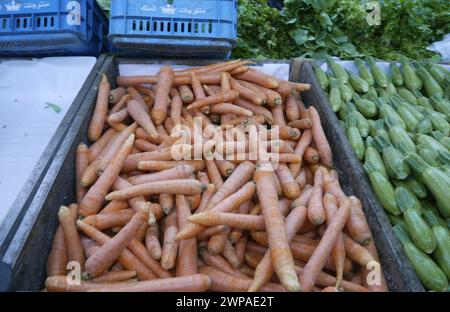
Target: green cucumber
{"points": [[406, 199], [364, 72], [442, 252], [419, 231], [334, 97], [397, 77], [422, 101], [373, 157], [441, 105], [424, 126], [431, 86], [379, 76], [321, 77], [338, 71], [358, 84], [396, 167], [365, 107], [407, 95], [410, 78], [354, 136]]}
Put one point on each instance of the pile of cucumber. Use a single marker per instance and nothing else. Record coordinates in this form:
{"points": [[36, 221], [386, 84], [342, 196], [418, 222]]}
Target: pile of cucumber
{"points": [[399, 127]]}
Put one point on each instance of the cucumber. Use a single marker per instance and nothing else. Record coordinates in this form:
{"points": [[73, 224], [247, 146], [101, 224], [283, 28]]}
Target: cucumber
{"points": [[391, 90], [416, 187], [334, 97], [406, 199], [407, 96], [373, 157], [428, 206], [434, 145], [388, 114], [383, 189], [364, 72], [442, 251], [424, 126], [427, 270], [338, 71], [365, 107], [401, 140], [396, 75], [435, 179], [363, 124], [431, 86], [444, 140], [379, 76], [429, 156], [346, 92], [412, 81], [441, 105], [372, 92], [407, 116], [376, 128], [358, 84], [436, 72], [396, 167], [439, 122], [415, 110], [321, 77], [395, 220], [419, 231], [354, 136], [422, 101]]}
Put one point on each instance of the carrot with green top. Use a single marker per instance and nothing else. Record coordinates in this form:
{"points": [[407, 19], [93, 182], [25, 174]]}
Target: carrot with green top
{"points": [[94, 198], [100, 111], [319, 257]]}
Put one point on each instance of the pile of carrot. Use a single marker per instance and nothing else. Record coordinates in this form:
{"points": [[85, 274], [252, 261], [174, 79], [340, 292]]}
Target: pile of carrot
{"points": [[145, 221]]}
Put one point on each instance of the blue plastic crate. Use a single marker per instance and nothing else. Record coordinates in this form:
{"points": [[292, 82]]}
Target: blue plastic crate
{"points": [[174, 28], [52, 27]]}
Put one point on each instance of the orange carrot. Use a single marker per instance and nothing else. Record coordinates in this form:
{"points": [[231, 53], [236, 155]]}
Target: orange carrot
{"points": [[338, 253], [236, 234], [253, 258], [94, 198], [81, 163], [120, 105], [214, 173], [273, 97], [213, 230], [212, 218], [205, 78], [118, 116], [290, 187], [167, 202], [165, 80], [72, 240], [145, 146], [96, 148], [115, 205], [100, 111], [278, 115], [110, 220], [323, 250], [259, 77], [176, 187], [356, 252], [188, 283], [61, 284], [187, 250], [203, 177], [152, 242], [136, 96], [139, 203], [57, 259], [224, 97], [177, 172], [256, 109], [323, 147], [230, 255], [281, 255], [357, 224], [126, 258], [301, 178], [264, 271], [138, 113], [105, 256], [186, 94], [170, 244], [221, 281], [300, 149], [194, 201], [292, 111], [115, 95], [316, 213], [226, 108], [131, 163], [216, 243], [217, 261], [257, 98], [302, 124], [112, 277], [160, 165], [225, 167], [240, 248], [311, 155], [208, 68]]}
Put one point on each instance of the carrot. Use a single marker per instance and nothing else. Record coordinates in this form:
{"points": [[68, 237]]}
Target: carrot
{"points": [[302, 124], [81, 163], [140, 235], [240, 248], [224, 97], [203, 177], [216, 243], [160, 165], [260, 78], [357, 224], [115, 95], [221, 281], [301, 179], [289, 186], [205, 78], [170, 244], [236, 233], [187, 250], [188, 283], [281, 255], [226, 108], [206, 196], [356, 252], [115, 205], [311, 155], [186, 94], [255, 109], [256, 98], [61, 284], [96, 148], [100, 111], [142, 134], [217, 261], [126, 258], [165, 80], [72, 240], [106, 255], [206, 68], [138, 113], [167, 202], [112, 277], [292, 111], [253, 258], [300, 149], [339, 252], [139, 203], [273, 97], [110, 220], [152, 242], [57, 259], [247, 222], [145, 146], [264, 271], [225, 167], [240, 176], [94, 198], [257, 91], [316, 213], [323, 250], [278, 115], [230, 255], [131, 163], [247, 270], [177, 172], [194, 201], [175, 109], [136, 96], [213, 230], [323, 147], [139, 250]]}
